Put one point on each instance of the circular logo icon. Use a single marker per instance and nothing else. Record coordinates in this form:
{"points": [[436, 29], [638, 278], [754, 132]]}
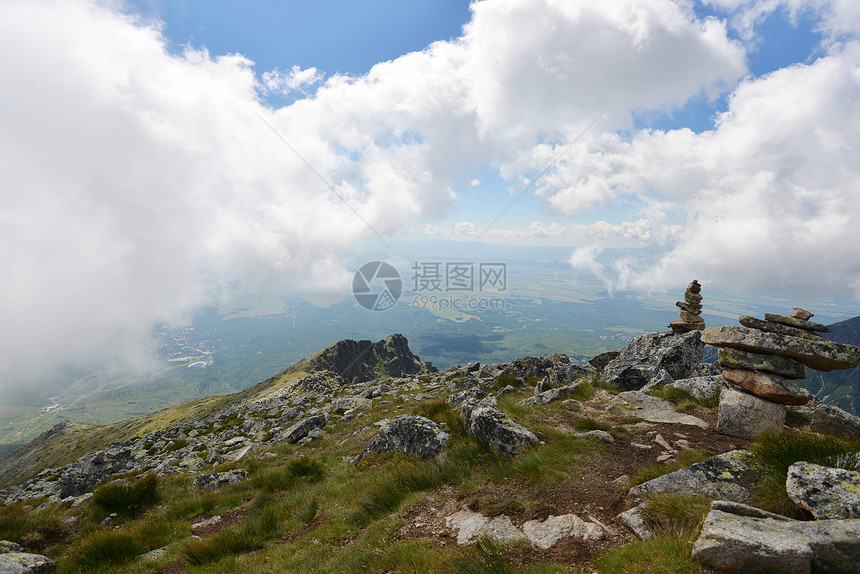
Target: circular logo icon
{"points": [[377, 286]]}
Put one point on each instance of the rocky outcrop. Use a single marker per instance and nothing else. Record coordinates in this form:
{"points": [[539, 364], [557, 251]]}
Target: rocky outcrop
{"points": [[650, 355], [828, 493], [498, 432], [551, 395], [702, 388], [416, 436], [740, 538], [728, 476], [13, 560], [302, 428], [557, 368], [360, 361], [744, 415], [218, 480]]}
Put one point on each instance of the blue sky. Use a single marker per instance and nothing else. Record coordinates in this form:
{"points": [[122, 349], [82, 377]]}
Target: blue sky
{"points": [[147, 146]]}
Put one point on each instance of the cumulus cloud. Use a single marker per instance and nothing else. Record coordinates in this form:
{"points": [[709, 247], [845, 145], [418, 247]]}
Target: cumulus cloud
{"points": [[771, 195], [277, 82], [139, 183]]}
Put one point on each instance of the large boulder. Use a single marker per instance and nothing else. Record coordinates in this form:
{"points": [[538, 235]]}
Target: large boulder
{"points": [[651, 354], [823, 355], [416, 436], [727, 476], [702, 388], [830, 419], [740, 538], [744, 415], [13, 560], [302, 428], [828, 493], [551, 395], [498, 432]]}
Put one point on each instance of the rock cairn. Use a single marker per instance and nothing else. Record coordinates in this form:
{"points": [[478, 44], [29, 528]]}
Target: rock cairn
{"points": [[691, 310], [763, 358]]}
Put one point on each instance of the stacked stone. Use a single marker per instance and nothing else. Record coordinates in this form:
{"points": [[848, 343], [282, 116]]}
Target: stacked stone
{"points": [[763, 358], [691, 309]]}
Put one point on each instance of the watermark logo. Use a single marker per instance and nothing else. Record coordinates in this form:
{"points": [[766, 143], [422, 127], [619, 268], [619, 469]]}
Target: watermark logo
{"points": [[438, 276], [377, 286]]}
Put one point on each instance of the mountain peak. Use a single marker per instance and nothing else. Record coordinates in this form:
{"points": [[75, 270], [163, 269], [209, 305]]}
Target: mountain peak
{"points": [[361, 361]]}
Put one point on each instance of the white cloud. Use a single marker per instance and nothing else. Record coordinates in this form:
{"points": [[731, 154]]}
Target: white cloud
{"points": [[771, 196], [276, 82], [138, 183], [835, 19]]}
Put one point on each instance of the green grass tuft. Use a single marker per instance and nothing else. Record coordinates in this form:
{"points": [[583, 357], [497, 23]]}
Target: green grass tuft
{"points": [[484, 557], [665, 554], [127, 500], [775, 452], [679, 515], [258, 528]]}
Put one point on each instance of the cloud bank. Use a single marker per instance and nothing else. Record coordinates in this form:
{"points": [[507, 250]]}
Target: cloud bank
{"points": [[139, 183]]}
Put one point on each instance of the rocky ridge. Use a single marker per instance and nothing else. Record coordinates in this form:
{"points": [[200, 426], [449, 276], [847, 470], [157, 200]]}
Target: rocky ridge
{"points": [[311, 406]]}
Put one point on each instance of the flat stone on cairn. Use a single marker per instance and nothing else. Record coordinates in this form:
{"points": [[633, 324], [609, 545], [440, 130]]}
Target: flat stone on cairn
{"points": [[762, 358], [691, 309]]}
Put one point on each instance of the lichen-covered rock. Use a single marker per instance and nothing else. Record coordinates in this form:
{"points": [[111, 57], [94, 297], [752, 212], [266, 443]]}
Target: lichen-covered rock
{"points": [[797, 323], [702, 388], [499, 433], [301, 429], [779, 328], [551, 395], [740, 538], [822, 354], [766, 362], [13, 560], [218, 480], [744, 415], [648, 354], [828, 493], [727, 476], [768, 386], [830, 419], [416, 436], [344, 404]]}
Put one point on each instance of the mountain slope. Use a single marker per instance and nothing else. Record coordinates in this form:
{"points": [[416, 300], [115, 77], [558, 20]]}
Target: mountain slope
{"points": [[342, 361]]}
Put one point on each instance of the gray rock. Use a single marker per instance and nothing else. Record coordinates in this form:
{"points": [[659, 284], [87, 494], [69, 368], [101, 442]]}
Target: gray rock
{"points": [[154, 555], [768, 386], [647, 354], [496, 431], [344, 404], [655, 410], [702, 388], [600, 435], [475, 393], [828, 493], [545, 533], [301, 429], [13, 560], [744, 415], [830, 419], [552, 395], [770, 327], [471, 526], [416, 436], [739, 538], [218, 480], [469, 405], [768, 363], [823, 355], [728, 476], [634, 520], [797, 323]]}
